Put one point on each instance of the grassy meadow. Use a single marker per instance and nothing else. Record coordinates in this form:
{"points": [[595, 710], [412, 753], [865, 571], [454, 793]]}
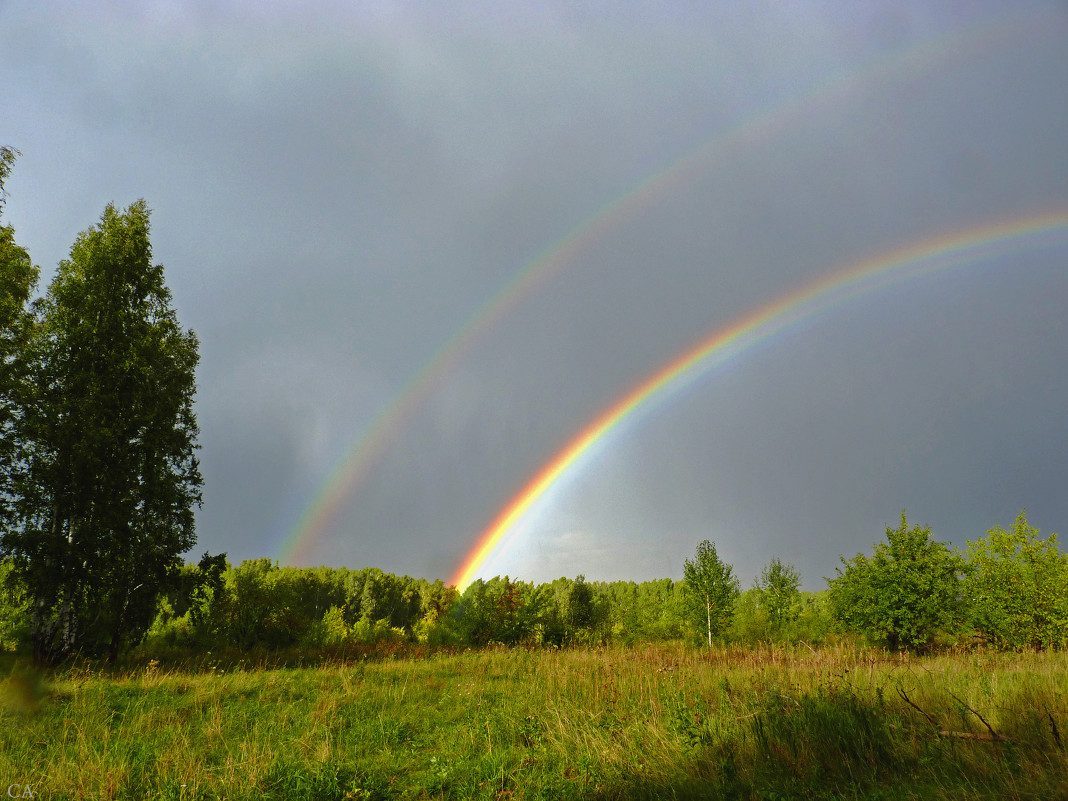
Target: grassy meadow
{"points": [[663, 721]]}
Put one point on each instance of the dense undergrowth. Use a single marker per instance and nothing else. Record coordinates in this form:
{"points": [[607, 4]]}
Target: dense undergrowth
{"points": [[657, 721]]}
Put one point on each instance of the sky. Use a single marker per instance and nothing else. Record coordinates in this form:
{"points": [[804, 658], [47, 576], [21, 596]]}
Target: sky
{"points": [[424, 246]]}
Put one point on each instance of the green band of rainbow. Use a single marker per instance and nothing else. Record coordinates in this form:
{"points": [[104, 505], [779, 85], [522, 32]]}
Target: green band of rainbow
{"points": [[930, 255]]}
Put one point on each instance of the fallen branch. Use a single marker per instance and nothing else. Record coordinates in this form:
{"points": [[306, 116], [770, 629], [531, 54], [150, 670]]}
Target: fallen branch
{"points": [[991, 737], [971, 735], [908, 701], [993, 734]]}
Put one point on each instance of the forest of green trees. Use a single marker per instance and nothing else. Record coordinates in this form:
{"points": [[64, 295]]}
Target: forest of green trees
{"points": [[1008, 590]]}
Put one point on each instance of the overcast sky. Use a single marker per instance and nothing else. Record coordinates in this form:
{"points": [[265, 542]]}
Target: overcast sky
{"points": [[338, 192]]}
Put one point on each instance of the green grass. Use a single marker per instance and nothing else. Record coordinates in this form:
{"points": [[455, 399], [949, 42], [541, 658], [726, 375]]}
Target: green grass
{"points": [[648, 722]]}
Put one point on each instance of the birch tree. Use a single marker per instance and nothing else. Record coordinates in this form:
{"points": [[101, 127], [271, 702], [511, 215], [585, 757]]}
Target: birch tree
{"points": [[711, 587], [108, 477]]}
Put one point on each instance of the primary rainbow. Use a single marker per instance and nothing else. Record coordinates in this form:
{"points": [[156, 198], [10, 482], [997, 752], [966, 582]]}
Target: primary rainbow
{"points": [[962, 247], [375, 439]]}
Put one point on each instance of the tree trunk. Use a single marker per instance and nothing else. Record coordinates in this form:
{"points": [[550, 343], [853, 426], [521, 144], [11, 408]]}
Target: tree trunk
{"points": [[708, 615]]}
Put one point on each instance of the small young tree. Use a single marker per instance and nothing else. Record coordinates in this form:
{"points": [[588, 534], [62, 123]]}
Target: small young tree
{"points": [[779, 594], [711, 587], [909, 589]]}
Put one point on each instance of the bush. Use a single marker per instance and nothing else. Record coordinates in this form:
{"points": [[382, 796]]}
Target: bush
{"points": [[1018, 588], [905, 594]]}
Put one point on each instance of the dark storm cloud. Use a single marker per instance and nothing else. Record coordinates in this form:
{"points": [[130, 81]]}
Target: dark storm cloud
{"points": [[337, 192]]}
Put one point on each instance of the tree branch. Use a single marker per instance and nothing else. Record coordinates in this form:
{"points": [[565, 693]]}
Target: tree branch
{"points": [[993, 734], [908, 701]]}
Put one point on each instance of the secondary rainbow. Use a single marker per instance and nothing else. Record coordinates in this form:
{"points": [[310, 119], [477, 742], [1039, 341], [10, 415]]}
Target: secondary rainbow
{"points": [[958, 248], [378, 435]]}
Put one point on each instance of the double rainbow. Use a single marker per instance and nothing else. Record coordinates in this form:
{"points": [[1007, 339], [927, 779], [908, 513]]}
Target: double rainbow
{"points": [[382, 431]]}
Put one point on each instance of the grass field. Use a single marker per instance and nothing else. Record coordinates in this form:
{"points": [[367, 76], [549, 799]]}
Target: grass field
{"points": [[650, 722]]}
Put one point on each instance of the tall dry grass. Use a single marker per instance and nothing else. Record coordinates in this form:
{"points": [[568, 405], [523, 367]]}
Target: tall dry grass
{"points": [[648, 722]]}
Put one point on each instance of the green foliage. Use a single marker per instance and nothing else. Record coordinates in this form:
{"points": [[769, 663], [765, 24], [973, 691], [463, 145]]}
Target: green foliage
{"points": [[712, 589], [259, 605], [395, 599], [575, 612], [18, 279], [619, 611], [1017, 588], [105, 473], [779, 595], [334, 629], [750, 621], [203, 584], [906, 593], [14, 610], [510, 612], [810, 623], [495, 611], [435, 626], [576, 604], [814, 622], [184, 616]]}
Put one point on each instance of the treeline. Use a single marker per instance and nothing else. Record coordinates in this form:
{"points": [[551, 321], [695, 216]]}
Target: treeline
{"points": [[258, 604], [1007, 590]]}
